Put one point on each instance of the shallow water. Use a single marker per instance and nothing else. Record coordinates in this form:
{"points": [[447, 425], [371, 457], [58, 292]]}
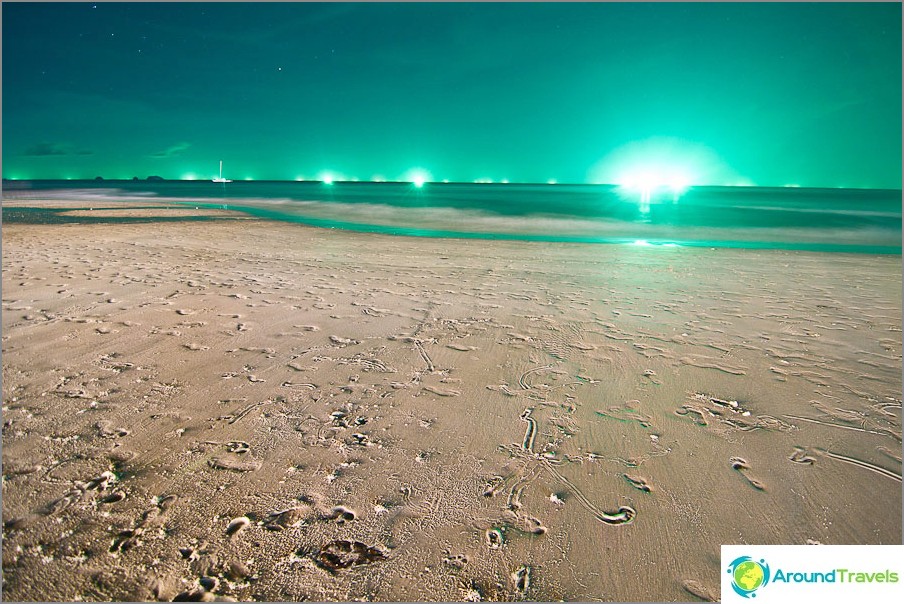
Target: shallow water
{"points": [[832, 220]]}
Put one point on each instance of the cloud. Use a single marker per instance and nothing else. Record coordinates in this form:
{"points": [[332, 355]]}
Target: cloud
{"points": [[171, 151], [54, 149]]}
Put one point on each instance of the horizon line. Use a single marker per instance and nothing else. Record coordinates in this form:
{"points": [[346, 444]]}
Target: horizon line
{"points": [[433, 182]]}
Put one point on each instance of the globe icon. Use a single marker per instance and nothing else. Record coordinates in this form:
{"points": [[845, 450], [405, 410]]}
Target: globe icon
{"points": [[748, 575]]}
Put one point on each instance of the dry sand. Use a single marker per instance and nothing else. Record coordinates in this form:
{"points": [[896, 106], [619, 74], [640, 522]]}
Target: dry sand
{"points": [[267, 411]]}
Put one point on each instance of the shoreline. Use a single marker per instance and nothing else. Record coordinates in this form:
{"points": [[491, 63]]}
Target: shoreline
{"points": [[445, 223]]}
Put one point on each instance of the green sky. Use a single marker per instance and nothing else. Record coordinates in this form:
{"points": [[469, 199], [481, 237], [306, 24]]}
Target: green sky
{"points": [[711, 93]]}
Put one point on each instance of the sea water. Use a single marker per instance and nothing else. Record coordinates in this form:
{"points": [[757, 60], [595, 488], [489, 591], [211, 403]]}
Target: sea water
{"points": [[831, 220]]}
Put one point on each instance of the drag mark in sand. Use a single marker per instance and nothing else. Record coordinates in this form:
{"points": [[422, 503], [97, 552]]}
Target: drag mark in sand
{"points": [[624, 515], [863, 464], [834, 425], [420, 348], [234, 463], [627, 413], [248, 410], [694, 362], [521, 380], [442, 391], [889, 453], [288, 384], [530, 433]]}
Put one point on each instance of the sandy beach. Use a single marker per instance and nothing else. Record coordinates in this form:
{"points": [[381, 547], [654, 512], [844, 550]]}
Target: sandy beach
{"points": [[257, 410]]}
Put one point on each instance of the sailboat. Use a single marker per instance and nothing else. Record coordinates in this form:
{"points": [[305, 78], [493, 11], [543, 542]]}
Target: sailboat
{"points": [[220, 177]]}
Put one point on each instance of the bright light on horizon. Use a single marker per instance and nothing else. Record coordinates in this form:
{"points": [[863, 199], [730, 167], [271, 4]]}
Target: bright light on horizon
{"points": [[327, 178], [651, 180], [678, 184], [417, 177], [663, 162]]}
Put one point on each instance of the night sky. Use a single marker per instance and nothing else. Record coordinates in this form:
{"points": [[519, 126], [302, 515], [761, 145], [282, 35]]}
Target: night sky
{"points": [[763, 94]]}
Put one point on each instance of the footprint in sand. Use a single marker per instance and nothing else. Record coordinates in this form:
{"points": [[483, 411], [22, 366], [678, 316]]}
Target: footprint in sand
{"points": [[801, 456], [503, 388], [696, 588], [195, 347], [741, 465], [236, 525], [582, 346], [131, 537], [494, 538], [638, 483], [288, 518], [342, 553], [697, 414], [199, 594], [341, 514], [106, 429], [461, 348], [442, 391], [525, 523], [456, 560], [235, 464], [126, 539], [521, 578], [238, 446], [121, 456], [114, 497], [649, 373]]}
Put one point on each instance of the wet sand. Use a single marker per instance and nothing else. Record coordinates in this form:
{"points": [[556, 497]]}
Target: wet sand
{"points": [[255, 410]]}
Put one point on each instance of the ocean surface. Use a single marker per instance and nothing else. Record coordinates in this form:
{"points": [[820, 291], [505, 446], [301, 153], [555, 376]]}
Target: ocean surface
{"points": [[829, 220]]}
